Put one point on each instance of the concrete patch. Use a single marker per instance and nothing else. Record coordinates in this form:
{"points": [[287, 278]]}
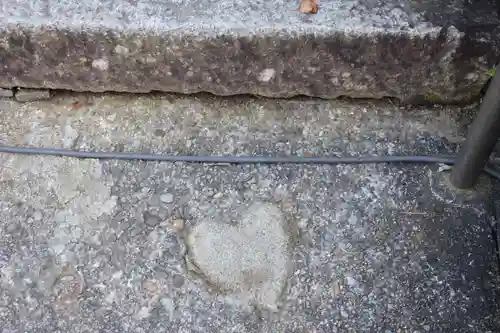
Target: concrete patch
{"points": [[250, 259], [76, 188]]}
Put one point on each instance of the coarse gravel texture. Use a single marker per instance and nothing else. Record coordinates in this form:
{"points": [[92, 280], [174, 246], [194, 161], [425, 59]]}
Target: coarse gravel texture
{"points": [[112, 246]]}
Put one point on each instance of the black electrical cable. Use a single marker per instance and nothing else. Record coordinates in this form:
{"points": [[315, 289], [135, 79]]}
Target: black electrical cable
{"points": [[444, 159]]}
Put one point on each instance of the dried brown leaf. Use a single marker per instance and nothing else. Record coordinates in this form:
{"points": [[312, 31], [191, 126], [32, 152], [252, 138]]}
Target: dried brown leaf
{"points": [[308, 6]]}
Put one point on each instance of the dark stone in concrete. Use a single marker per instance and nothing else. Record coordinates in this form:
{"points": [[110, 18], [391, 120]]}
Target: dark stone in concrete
{"points": [[435, 51]]}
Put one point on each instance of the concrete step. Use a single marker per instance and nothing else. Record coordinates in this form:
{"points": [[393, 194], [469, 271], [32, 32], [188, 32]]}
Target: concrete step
{"points": [[130, 246], [438, 51]]}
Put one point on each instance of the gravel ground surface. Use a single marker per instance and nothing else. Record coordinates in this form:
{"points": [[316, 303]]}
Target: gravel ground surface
{"points": [[131, 246]]}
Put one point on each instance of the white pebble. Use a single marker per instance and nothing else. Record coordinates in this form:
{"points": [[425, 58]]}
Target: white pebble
{"points": [[167, 198]]}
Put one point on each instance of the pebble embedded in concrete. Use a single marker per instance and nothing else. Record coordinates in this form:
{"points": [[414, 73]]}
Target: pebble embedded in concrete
{"points": [[178, 224], [100, 64], [167, 198], [267, 74], [249, 260]]}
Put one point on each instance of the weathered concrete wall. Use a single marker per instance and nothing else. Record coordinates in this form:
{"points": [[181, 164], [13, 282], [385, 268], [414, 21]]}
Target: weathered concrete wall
{"points": [[436, 51]]}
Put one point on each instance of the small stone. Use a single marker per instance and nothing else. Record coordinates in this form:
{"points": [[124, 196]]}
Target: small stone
{"points": [[150, 60], [336, 291], [168, 305], [6, 93], [100, 64], [267, 74], [122, 50], [136, 231], [150, 285], [68, 287], [144, 312], [167, 198], [218, 195], [159, 132], [37, 216], [178, 281], [178, 224], [351, 282], [151, 220], [30, 95]]}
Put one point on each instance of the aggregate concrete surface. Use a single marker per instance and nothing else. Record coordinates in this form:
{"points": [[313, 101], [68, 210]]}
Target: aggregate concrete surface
{"points": [[130, 246], [412, 50]]}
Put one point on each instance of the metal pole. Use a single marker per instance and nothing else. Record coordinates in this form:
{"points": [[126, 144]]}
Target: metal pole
{"points": [[481, 139]]}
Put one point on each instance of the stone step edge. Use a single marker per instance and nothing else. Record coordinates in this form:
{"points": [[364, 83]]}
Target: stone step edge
{"points": [[445, 67]]}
